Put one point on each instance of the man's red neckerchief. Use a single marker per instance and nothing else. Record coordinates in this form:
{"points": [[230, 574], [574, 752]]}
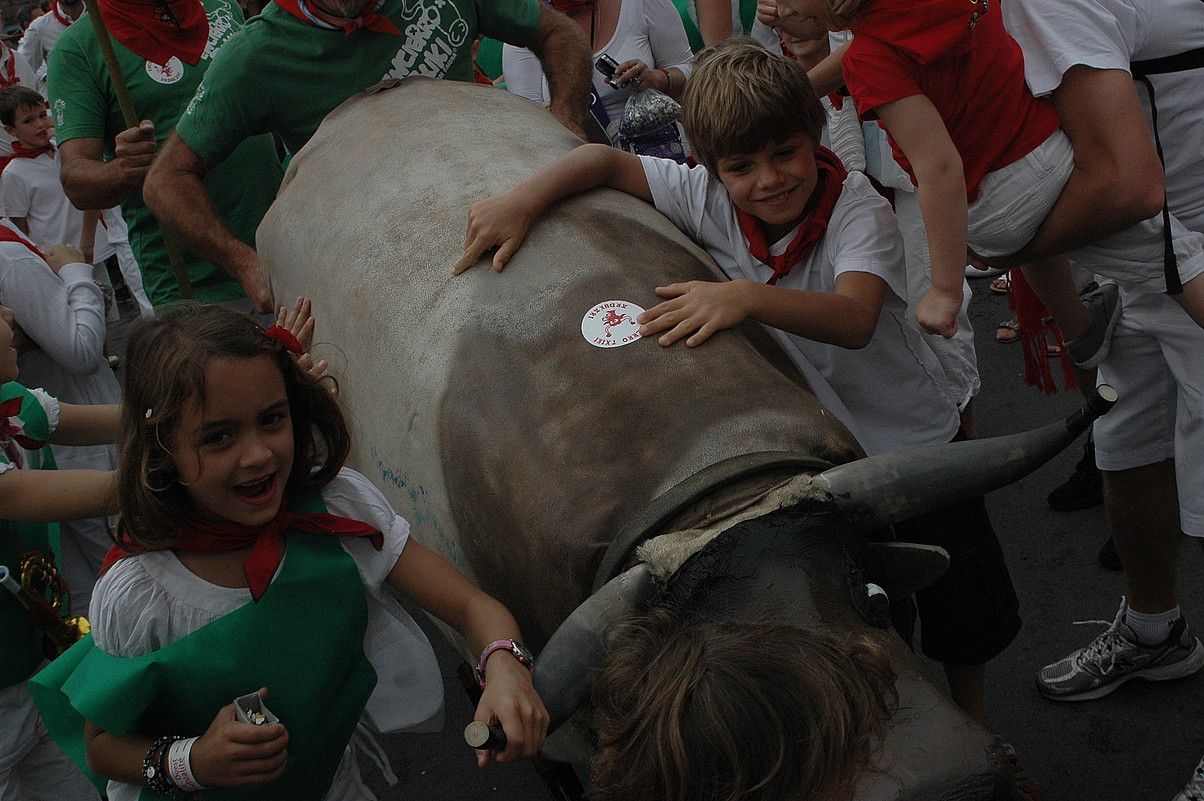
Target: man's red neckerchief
{"points": [[819, 210], [63, 18], [369, 18], [157, 31], [9, 76], [266, 541]]}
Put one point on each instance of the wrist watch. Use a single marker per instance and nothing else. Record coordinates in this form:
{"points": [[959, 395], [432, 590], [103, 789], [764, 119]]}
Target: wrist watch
{"points": [[513, 647]]}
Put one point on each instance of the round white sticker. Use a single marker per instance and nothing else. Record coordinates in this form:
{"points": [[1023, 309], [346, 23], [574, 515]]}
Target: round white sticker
{"points": [[169, 73], [611, 324]]}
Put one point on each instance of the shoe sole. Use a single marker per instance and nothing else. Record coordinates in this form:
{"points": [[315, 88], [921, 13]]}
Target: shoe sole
{"points": [[1102, 353], [1179, 670]]}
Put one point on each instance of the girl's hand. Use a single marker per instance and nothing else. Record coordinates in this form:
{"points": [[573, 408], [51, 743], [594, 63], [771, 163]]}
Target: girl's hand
{"points": [[236, 754], [59, 256], [697, 310], [511, 700], [937, 312], [500, 222]]}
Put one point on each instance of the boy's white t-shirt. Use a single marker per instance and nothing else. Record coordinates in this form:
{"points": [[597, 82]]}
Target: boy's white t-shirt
{"points": [[1056, 35], [894, 388], [33, 189]]}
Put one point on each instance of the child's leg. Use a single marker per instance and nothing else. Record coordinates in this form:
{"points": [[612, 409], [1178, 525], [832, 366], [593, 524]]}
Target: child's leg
{"points": [[1053, 282], [968, 686]]}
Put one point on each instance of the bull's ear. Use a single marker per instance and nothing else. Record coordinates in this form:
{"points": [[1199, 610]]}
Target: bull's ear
{"points": [[902, 568]]}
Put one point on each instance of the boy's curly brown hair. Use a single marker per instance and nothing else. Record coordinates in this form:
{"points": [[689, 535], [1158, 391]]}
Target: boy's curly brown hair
{"points": [[741, 98], [720, 711]]}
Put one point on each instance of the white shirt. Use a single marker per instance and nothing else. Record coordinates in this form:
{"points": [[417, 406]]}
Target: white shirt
{"points": [[33, 189], [148, 601], [38, 42], [25, 76], [1056, 35], [650, 30], [893, 390]]}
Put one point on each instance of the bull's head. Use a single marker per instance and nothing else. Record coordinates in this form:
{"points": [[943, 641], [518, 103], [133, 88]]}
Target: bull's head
{"points": [[798, 563]]}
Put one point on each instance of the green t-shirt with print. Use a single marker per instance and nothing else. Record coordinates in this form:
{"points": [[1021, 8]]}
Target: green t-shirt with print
{"points": [[284, 75], [20, 637], [84, 105]]}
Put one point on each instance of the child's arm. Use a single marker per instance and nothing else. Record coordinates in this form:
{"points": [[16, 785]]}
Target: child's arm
{"points": [[229, 754], [917, 128], [502, 221], [87, 424], [509, 695], [47, 496], [845, 318], [87, 237]]}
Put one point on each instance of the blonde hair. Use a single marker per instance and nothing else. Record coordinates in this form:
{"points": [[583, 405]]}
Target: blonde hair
{"points": [[169, 352], [741, 97], [736, 711]]}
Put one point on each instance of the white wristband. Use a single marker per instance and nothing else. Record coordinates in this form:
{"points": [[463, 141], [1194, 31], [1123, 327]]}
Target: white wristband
{"points": [[179, 766]]}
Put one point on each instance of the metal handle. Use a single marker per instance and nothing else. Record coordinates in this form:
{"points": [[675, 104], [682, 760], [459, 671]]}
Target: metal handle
{"points": [[480, 735]]}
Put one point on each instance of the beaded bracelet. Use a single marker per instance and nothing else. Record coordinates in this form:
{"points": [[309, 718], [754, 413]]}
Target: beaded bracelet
{"points": [[154, 775]]}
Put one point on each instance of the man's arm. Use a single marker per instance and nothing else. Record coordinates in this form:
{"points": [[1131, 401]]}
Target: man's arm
{"points": [[565, 56], [826, 76], [501, 222], [1117, 179], [714, 20], [175, 191], [93, 183]]}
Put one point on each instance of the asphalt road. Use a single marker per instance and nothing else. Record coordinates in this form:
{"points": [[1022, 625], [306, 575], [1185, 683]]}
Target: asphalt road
{"points": [[1139, 743]]}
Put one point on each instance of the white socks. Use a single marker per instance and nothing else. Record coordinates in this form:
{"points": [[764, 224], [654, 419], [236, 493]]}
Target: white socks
{"points": [[1151, 629]]}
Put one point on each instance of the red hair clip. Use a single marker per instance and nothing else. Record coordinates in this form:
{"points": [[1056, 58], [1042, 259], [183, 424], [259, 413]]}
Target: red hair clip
{"points": [[285, 338]]}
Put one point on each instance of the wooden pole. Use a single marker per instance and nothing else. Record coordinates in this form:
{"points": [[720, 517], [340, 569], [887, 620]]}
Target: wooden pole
{"points": [[130, 115]]}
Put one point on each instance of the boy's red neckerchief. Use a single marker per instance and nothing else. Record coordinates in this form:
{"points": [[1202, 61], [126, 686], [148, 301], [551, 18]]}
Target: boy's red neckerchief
{"points": [[157, 31], [831, 174], [9, 235], [369, 18], [12, 427], [285, 338], [266, 541], [20, 151]]}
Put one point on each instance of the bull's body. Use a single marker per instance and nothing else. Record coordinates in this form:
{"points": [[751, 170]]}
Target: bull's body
{"points": [[518, 450]]}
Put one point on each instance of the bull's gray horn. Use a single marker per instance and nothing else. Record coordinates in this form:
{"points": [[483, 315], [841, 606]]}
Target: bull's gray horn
{"points": [[564, 670], [880, 490]]}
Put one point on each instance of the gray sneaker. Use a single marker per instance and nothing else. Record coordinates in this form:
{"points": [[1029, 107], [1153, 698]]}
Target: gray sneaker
{"points": [[1090, 348], [1194, 791], [1115, 657]]}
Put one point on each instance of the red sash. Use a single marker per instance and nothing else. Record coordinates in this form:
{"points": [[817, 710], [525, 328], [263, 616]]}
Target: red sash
{"points": [[819, 210], [9, 235], [158, 31], [9, 76], [267, 541], [368, 19]]}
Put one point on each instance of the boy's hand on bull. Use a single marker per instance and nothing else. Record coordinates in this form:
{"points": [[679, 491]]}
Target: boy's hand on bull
{"points": [[498, 222], [510, 698], [937, 312], [236, 754], [697, 310]]}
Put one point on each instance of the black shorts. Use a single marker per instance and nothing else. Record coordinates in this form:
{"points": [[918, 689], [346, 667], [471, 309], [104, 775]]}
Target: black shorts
{"points": [[971, 613]]}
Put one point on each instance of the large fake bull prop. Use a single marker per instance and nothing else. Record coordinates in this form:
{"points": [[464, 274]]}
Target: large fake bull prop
{"points": [[538, 462]]}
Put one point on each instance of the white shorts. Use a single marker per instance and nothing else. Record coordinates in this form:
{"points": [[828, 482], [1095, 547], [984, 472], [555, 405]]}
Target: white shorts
{"points": [[1155, 366], [1014, 200]]}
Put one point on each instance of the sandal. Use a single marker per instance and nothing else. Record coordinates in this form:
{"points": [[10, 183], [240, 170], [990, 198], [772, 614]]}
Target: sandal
{"points": [[1007, 331], [1001, 285]]}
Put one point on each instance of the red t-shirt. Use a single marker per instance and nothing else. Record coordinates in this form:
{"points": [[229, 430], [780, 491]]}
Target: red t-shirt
{"points": [[958, 55]]}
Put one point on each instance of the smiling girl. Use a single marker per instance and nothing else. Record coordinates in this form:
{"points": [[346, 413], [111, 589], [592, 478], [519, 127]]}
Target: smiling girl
{"points": [[249, 558]]}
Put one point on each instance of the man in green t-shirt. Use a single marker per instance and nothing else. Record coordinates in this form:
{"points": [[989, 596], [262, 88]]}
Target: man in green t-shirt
{"points": [[104, 163], [299, 59]]}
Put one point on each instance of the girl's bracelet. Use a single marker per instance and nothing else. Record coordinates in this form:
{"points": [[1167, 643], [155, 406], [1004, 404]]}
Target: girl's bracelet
{"points": [[179, 766], [155, 775], [668, 82]]}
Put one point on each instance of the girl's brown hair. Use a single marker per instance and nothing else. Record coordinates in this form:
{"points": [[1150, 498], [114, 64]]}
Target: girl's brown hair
{"points": [[719, 711], [167, 355]]}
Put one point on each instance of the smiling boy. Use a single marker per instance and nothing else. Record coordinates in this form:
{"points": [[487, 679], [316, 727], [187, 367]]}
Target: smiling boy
{"points": [[814, 254]]}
